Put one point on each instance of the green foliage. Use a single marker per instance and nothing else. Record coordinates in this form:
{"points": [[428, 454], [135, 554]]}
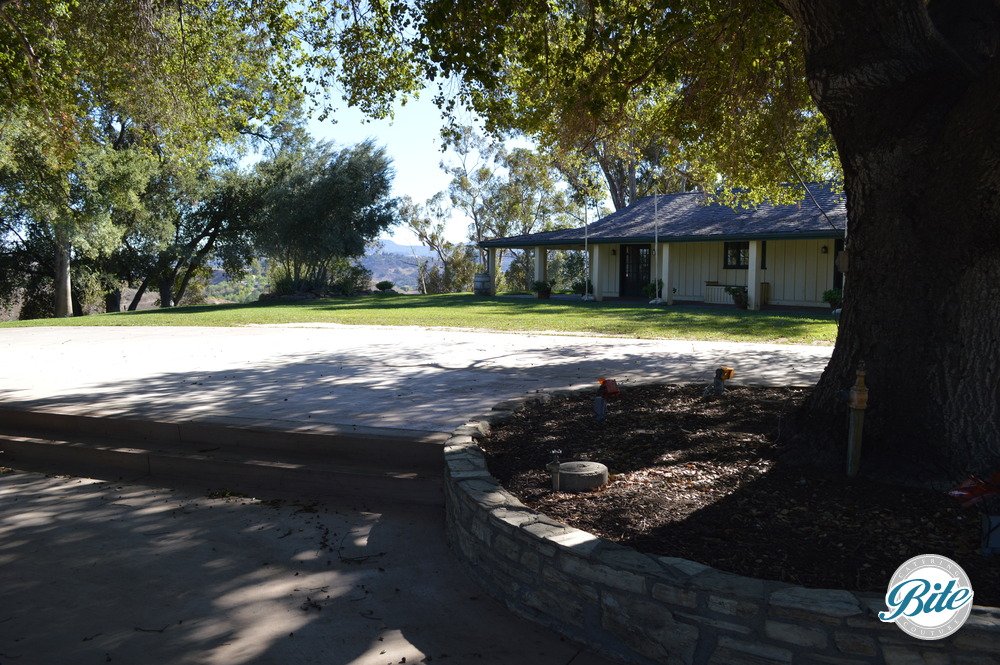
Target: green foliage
{"points": [[196, 291], [834, 297], [242, 289], [384, 285], [739, 294], [90, 204], [322, 206], [349, 279], [652, 291], [569, 268], [457, 261], [582, 286], [690, 90], [543, 289], [520, 273], [503, 192], [342, 278], [112, 109], [456, 274]]}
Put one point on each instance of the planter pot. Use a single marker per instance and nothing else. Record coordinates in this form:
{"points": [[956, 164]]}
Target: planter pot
{"points": [[481, 284]]}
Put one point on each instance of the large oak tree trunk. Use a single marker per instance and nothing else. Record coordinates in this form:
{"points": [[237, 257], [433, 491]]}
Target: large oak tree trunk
{"points": [[915, 120], [166, 291]]}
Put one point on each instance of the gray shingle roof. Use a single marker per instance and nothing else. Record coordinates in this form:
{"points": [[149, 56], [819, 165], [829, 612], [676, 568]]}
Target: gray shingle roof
{"points": [[689, 217]]}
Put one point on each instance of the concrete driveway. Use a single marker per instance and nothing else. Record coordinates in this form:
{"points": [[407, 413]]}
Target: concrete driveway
{"points": [[97, 572], [330, 375]]}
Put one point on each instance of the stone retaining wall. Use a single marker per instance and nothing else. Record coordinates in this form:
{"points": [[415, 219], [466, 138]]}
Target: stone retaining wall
{"points": [[654, 609]]}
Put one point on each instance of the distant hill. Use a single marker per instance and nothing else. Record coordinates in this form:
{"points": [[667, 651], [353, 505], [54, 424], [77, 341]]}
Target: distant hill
{"points": [[390, 247], [400, 269]]}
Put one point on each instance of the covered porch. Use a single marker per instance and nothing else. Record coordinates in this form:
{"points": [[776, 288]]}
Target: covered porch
{"points": [[780, 272]]}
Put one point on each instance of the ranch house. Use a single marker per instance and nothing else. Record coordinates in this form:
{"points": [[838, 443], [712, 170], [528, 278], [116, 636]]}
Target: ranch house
{"points": [[783, 254]]}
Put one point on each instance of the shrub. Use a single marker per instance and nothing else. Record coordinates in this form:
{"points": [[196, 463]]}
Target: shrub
{"points": [[384, 285], [348, 279], [543, 289], [651, 291], [580, 287], [739, 294], [835, 297]]}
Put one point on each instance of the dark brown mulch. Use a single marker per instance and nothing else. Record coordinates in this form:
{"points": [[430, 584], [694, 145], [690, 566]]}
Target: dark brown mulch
{"points": [[697, 478]]}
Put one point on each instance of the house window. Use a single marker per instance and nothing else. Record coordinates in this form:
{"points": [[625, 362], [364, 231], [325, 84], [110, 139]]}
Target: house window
{"points": [[736, 256]]}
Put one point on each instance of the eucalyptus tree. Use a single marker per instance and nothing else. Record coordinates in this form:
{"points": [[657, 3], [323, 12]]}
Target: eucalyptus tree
{"points": [[475, 175], [900, 94]]}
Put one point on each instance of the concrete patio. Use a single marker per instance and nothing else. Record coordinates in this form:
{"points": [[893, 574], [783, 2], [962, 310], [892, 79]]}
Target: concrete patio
{"points": [[404, 378], [94, 571], [97, 572]]}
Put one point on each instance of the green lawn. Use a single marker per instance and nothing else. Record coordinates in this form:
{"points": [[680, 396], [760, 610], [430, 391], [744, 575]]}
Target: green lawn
{"points": [[626, 319]]}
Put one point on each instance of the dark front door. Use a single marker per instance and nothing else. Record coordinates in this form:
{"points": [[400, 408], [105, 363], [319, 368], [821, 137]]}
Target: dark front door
{"points": [[634, 270]]}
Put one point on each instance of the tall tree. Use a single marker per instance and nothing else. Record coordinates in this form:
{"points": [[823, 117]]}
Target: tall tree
{"points": [[323, 205], [908, 91], [186, 74], [475, 175], [57, 211], [457, 260]]}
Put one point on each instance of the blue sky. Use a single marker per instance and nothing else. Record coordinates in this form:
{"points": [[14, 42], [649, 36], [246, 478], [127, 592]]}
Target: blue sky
{"points": [[413, 141]]}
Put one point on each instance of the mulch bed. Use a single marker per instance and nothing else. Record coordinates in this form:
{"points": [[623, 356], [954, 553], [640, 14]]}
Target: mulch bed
{"points": [[697, 478]]}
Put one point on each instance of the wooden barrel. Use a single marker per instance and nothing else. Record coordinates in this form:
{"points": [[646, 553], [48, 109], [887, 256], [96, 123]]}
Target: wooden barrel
{"points": [[481, 284]]}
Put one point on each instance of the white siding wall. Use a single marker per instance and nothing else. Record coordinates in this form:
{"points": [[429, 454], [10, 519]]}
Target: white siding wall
{"points": [[609, 271], [694, 263], [798, 273]]}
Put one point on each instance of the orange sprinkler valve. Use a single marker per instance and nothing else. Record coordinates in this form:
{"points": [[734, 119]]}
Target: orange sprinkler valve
{"points": [[609, 389]]}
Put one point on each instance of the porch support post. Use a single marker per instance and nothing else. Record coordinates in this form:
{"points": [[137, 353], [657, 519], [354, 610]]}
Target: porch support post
{"points": [[491, 268], [541, 267], [668, 286], [753, 276], [595, 272]]}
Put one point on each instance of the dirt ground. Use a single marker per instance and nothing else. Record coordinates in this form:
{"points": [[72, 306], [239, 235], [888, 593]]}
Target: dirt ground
{"points": [[697, 477]]}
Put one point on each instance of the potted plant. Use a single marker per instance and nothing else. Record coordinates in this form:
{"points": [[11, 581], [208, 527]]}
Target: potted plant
{"points": [[542, 289], [835, 298], [739, 294], [651, 291]]}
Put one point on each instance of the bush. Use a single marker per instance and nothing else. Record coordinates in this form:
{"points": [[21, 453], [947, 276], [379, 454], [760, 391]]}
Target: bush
{"points": [[580, 287], [540, 287], [739, 294], [342, 279], [348, 279], [384, 285], [651, 291], [835, 297]]}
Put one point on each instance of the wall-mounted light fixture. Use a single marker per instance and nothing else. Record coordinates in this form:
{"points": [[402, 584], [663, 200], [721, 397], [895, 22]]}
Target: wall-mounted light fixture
{"points": [[824, 249]]}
